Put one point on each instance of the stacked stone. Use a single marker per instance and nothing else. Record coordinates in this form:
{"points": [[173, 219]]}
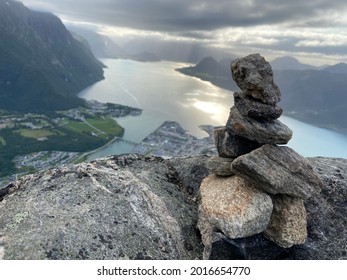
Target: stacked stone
{"points": [[257, 185]]}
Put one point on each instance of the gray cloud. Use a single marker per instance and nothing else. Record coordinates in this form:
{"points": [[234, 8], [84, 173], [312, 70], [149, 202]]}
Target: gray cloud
{"points": [[221, 23], [179, 15]]}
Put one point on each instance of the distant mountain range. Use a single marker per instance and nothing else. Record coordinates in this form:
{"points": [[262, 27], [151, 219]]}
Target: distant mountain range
{"points": [[315, 96], [290, 63], [42, 67], [104, 47]]}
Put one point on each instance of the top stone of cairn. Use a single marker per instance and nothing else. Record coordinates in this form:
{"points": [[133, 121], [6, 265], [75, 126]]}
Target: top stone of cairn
{"points": [[254, 76]]}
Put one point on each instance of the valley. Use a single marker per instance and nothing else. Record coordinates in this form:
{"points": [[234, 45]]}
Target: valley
{"points": [[31, 142]]}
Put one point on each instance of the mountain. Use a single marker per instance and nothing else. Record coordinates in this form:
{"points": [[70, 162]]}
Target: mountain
{"points": [[288, 62], [174, 50], [315, 96], [208, 69], [42, 67], [337, 68], [318, 97], [104, 47], [101, 45]]}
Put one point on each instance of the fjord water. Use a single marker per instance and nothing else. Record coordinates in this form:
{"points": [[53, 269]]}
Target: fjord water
{"points": [[165, 94]]}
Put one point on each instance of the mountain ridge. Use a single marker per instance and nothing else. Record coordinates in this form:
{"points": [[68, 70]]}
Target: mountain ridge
{"points": [[42, 67], [311, 95]]}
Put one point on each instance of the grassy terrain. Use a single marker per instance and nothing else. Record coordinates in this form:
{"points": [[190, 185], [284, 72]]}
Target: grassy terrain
{"points": [[35, 133], [107, 125], [2, 141], [102, 127]]}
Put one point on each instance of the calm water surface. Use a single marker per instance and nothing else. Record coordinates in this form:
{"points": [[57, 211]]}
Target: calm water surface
{"points": [[165, 94]]}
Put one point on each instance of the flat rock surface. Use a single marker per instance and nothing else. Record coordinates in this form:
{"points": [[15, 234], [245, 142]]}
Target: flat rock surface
{"points": [[253, 74], [278, 170], [258, 130]]}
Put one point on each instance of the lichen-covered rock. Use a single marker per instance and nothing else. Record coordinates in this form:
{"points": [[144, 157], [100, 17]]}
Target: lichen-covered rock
{"points": [[230, 145], [232, 206], [278, 170], [119, 208], [258, 130], [252, 108], [220, 166], [254, 76], [288, 224]]}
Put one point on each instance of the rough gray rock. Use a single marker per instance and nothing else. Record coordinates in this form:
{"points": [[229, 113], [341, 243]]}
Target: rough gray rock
{"points": [[254, 76], [230, 145], [233, 206], [220, 166], [326, 224], [278, 170], [326, 212], [252, 108], [188, 172], [258, 130], [118, 208], [288, 224]]}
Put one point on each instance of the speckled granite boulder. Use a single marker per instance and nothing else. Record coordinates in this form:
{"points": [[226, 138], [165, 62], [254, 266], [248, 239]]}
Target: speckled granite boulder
{"points": [[288, 224], [232, 206]]}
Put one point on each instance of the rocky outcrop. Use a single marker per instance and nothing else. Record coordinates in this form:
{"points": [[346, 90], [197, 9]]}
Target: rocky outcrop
{"points": [[118, 208], [250, 141], [68, 213]]}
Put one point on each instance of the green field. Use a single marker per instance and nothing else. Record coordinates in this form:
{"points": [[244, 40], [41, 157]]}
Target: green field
{"points": [[35, 133], [107, 125], [2, 141], [102, 127]]}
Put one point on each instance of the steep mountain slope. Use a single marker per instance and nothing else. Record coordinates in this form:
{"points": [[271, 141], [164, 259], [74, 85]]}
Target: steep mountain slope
{"points": [[101, 46], [317, 97], [42, 67]]}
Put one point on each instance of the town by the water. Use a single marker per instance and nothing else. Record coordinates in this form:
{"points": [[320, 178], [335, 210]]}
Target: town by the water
{"points": [[170, 139]]}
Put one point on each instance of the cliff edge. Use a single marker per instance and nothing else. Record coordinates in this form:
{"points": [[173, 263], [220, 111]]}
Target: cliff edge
{"points": [[137, 207]]}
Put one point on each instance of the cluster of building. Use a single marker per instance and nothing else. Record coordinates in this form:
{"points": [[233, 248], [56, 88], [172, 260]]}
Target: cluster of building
{"points": [[44, 159], [170, 139]]}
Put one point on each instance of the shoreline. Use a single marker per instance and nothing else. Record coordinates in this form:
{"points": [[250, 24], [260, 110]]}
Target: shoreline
{"points": [[286, 114], [84, 155]]}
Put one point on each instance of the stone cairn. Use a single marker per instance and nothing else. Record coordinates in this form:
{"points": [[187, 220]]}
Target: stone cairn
{"points": [[257, 185]]}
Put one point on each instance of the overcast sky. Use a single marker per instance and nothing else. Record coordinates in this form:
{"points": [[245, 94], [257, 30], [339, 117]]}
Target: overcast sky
{"points": [[314, 31]]}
